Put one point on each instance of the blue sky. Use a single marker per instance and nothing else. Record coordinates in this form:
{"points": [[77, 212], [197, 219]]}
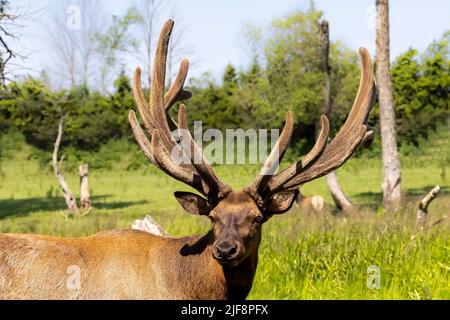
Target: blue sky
{"points": [[214, 27]]}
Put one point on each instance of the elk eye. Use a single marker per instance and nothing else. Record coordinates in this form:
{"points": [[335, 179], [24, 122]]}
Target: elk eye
{"points": [[258, 219], [212, 218]]}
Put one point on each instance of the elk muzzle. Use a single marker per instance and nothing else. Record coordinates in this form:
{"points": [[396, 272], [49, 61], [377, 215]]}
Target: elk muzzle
{"points": [[227, 251]]}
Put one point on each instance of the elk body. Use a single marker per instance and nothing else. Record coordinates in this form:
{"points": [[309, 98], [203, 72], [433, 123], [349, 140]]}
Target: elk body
{"points": [[311, 204], [130, 264]]}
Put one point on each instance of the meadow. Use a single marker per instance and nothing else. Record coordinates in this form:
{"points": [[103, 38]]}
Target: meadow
{"points": [[302, 256]]}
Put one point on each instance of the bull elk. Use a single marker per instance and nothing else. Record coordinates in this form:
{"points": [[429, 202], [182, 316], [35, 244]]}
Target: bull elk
{"points": [[131, 264]]}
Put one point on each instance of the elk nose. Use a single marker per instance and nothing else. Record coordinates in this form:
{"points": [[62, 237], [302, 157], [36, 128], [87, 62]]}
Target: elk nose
{"points": [[226, 251]]}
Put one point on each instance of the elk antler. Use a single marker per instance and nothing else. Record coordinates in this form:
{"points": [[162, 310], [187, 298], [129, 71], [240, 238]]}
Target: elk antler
{"points": [[197, 173], [322, 158]]}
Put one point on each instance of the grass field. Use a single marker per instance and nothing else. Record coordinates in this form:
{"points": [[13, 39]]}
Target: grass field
{"points": [[301, 256]]}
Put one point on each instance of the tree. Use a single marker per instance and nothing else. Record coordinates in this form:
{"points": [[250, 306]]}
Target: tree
{"points": [[287, 75], [115, 41], [149, 12], [338, 195], [71, 202], [230, 80], [6, 54], [406, 77], [178, 47], [253, 98], [252, 41], [31, 107], [92, 119], [121, 102], [212, 104], [10, 25], [72, 37], [421, 91], [70, 199], [293, 66], [391, 163]]}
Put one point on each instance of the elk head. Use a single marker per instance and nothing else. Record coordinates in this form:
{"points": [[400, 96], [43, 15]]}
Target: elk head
{"points": [[237, 216]]}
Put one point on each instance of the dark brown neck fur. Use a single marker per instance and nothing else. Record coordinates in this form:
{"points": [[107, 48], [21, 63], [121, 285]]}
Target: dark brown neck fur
{"points": [[238, 280]]}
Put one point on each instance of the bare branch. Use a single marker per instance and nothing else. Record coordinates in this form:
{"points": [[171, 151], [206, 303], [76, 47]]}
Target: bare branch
{"points": [[11, 20], [68, 196], [149, 13], [422, 212], [340, 199], [72, 37]]}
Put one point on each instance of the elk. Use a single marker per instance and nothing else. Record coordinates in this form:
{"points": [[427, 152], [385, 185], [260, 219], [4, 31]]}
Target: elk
{"points": [[311, 204], [221, 264]]}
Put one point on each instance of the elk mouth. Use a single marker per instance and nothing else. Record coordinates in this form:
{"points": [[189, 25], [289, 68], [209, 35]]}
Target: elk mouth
{"points": [[229, 257], [230, 263]]}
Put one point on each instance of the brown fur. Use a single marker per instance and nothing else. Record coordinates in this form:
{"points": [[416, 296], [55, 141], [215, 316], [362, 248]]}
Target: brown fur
{"points": [[311, 204], [131, 264]]}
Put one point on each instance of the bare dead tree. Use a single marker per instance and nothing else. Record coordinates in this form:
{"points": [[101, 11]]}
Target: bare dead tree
{"points": [[391, 162], [422, 212], [325, 108], [337, 194], [149, 14], [340, 199], [11, 25], [63, 44], [57, 167], [7, 53], [72, 37], [91, 26], [178, 48]]}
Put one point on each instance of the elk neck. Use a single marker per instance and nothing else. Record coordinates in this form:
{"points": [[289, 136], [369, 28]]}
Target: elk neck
{"points": [[237, 280]]}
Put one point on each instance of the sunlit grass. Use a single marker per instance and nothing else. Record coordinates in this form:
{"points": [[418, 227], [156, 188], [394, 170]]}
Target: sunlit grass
{"points": [[301, 256]]}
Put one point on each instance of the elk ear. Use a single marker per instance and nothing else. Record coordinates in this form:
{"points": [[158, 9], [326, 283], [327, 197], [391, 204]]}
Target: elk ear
{"points": [[282, 202], [193, 203]]}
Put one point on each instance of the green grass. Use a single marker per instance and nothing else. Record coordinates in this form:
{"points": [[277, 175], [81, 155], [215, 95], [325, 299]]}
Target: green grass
{"points": [[301, 256]]}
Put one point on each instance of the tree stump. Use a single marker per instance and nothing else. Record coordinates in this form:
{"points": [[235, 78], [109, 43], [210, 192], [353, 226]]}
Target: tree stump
{"points": [[85, 200], [422, 212]]}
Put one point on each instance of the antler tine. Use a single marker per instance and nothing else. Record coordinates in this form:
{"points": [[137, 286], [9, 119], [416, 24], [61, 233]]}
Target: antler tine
{"points": [[199, 160], [347, 139], [157, 87], [287, 174], [140, 101], [140, 135], [274, 159], [198, 174], [182, 118], [176, 92], [164, 161]]}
